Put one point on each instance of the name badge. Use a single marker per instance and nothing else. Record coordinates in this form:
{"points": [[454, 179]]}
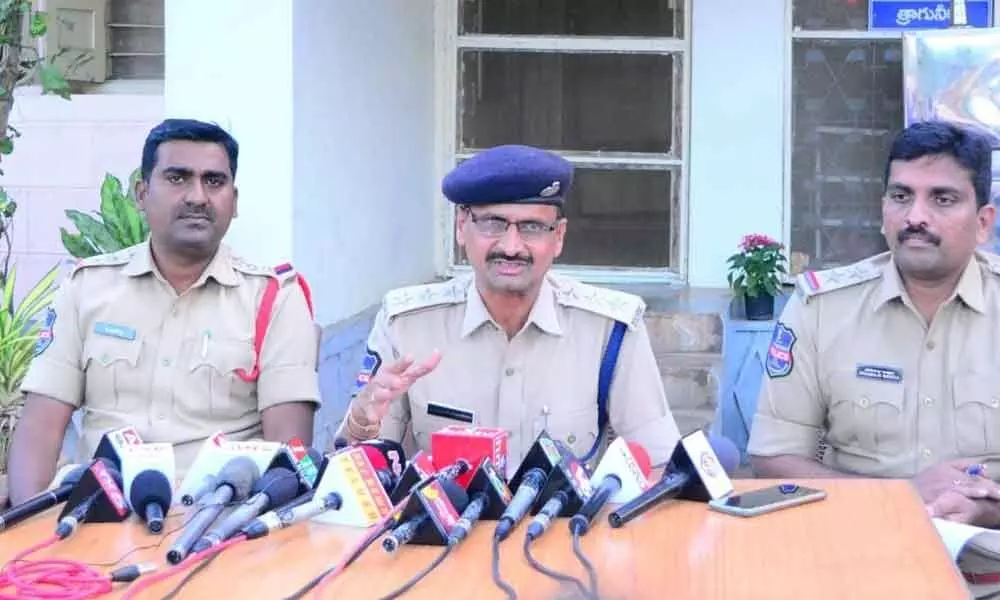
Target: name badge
{"points": [[113, 330], [450, 412], [879, 373]]}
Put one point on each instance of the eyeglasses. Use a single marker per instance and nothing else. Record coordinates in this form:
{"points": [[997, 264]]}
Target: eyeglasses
{"points": [[492, 226]]}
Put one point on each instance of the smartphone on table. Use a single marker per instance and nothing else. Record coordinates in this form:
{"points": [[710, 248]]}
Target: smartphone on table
{"points": [[765, 500]]}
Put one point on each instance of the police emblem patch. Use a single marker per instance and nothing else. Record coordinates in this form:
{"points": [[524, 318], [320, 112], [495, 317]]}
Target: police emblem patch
{"points": [[779, 361], [369, 366], [45, 334]]}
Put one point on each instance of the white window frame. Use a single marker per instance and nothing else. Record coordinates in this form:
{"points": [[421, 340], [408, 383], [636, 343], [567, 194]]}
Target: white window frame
{"points": [[447, 44], [791, 35]]}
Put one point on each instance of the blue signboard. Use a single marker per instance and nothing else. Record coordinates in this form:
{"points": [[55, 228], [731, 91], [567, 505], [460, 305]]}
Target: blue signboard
{"points": [[914, 14]]}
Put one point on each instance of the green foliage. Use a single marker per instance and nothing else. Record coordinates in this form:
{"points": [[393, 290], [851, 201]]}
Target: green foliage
{"points": [[757, 268], [119, 223]]}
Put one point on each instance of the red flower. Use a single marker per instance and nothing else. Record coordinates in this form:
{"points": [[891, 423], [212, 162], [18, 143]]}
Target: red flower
{"points": [[752, 241]]}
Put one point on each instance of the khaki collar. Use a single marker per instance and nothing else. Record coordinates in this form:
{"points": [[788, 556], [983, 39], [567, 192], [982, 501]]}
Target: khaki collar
{"points": [[543, 313], [969, 289], [220, 268]]}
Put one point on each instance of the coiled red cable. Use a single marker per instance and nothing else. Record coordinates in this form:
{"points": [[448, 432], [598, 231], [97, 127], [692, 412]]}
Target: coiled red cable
{"points": [[50, 578]]}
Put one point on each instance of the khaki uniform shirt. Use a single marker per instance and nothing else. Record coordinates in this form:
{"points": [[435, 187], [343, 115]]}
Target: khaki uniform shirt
{"points": [[545, 377], [128, 350], [853, 363]]}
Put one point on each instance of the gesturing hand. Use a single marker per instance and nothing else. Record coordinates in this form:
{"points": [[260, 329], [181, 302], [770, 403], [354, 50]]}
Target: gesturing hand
{"points": [[391, 382]]}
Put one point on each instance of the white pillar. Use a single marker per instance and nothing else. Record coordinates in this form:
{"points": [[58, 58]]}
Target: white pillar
{"points": [[231, 62], [738, 102]]}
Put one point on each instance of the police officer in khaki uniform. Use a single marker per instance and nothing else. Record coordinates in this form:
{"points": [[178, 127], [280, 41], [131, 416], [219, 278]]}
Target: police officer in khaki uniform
{"points": [[160, 336], [890, 367], [511, 345]]}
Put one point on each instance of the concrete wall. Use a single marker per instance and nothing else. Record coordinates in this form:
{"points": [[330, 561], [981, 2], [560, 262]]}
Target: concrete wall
{"points": [[60, 161]]}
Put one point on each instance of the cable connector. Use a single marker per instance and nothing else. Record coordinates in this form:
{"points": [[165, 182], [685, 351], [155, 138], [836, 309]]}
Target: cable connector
{"points": [[131, 572]]}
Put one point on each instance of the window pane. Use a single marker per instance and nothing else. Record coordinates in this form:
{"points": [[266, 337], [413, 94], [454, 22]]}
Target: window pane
{"points": [[589, 102], [652, 18], [620, 218], [137, 67], [830, 14], [847, 102], [137, 12], [136, 40]]}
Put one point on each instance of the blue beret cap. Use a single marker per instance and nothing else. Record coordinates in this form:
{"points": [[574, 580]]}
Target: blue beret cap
{"points": [[510, 175]]}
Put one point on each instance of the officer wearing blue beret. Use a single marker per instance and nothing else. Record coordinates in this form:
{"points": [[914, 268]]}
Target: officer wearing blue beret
{"points": [[511, 345]]}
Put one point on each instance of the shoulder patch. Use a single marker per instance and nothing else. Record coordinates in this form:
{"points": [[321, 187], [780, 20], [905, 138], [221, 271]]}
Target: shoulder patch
{"points": [[111, 259], [251, 269], [416, 297], [780, 361], [613, 304], [814, 283]]}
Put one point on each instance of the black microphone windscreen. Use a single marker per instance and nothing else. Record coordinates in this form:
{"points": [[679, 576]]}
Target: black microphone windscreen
{"points": [[150, 486], [279, 484], [239, 473], [74, 475], [459, 497]]}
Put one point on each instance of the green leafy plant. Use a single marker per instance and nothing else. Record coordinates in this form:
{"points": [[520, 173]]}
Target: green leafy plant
{"points": [[19, 334], [118, 225], [757, 268]]}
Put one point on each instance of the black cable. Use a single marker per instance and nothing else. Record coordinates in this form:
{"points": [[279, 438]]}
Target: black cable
{"points": [[190, 575], [497, 579], [552, 573], [591, 573], [305, 589], [419, 576]]}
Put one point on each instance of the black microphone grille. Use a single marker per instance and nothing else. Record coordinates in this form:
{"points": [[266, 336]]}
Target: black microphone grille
{"points": [[239, 473], [280, 485], [74, 476], [459, 497], [150, 486]]}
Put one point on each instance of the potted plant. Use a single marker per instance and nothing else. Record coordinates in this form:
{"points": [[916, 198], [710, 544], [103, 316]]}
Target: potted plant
{"points": [[755, 274]]}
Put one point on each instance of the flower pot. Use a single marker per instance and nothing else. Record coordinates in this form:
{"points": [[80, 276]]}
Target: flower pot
{"points": [[759, 308]]}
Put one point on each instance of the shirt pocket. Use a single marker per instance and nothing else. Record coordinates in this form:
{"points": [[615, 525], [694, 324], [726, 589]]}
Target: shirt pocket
{"points": [[977, 413], [114, 379], [868, 416], [212, 370], [577, 429]]}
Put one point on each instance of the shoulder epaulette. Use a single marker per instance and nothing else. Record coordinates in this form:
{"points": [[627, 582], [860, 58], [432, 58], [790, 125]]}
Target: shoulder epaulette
{"points": [[990, 261], [814, 283], [613, 304], [247, 268], [416, 297], [110, 259]]}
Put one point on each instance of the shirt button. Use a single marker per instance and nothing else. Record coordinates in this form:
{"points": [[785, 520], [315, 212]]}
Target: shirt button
{"points": [[571, 439], [926, 452], [930, 344], [166, 362], [508, 371], [995, 402], [928, 401], [863, 402]]}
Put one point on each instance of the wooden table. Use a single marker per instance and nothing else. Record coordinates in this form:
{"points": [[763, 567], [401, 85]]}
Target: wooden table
{"points": [[868, 539]]}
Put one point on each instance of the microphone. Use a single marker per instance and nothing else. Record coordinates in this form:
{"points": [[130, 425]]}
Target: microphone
{"points": [[150, 497], [530, 485], [624, 464], [274, 488], [43, 501], [470, 516], [287, 516], [549, 512], [106, 482], [207, 484], [698, 479], [411, 527], [234, 482]]}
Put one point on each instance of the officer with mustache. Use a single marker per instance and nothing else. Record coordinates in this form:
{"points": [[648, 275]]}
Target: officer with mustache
{"points": [[890, 367], [511, 345], [161, 336]]}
